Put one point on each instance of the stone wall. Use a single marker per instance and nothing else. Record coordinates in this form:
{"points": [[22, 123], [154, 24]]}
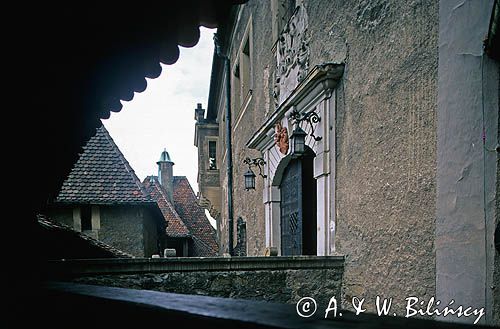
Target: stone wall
{"points": [[278, 279], [122, 228], [131, 229]]}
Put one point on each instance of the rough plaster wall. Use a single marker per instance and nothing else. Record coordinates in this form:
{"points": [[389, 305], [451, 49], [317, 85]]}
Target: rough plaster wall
{"points": [[386, 147], [466, 174], [248, 204], [122, 228], [496, 275]]}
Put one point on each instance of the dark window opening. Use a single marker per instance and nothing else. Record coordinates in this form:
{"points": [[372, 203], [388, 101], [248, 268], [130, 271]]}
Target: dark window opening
{"points": [[241, 238], [245, 69], [86, 218], [212, 153], [237, 71]]}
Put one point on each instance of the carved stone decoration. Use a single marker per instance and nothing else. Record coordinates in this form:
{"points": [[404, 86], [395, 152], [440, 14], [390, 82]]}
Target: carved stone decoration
{"points": [[281, 138], [292, 56]]}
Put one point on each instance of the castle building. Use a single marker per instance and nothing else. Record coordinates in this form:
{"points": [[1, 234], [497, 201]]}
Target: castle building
{"points": [[103, 198], [367, 129]]}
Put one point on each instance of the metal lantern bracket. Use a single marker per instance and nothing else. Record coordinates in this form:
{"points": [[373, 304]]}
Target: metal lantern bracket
{"points": [[310, 118], [257, 162]]}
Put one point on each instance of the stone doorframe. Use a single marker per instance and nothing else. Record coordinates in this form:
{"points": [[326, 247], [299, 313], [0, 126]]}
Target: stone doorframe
{"points": [[313, 93]]}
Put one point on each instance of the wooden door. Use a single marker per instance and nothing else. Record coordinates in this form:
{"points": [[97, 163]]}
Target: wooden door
{"points": [[291, 209]]}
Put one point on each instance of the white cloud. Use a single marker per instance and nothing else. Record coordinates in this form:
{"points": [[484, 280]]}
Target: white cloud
{"points": [[163, 115]]}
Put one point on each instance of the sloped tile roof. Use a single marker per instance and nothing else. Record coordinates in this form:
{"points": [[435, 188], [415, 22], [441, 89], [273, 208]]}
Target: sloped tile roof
{"points": [[66, 234], [193, 216], [175, 226], [102, 175]]}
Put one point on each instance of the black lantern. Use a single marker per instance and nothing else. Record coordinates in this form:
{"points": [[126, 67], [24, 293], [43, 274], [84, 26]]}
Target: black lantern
{"points": [[249, 175], [249, 180], [298, 141]]}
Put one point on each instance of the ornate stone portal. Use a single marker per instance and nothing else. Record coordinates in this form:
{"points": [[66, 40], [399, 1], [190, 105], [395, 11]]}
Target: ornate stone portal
{"points": [[292, 56], [315, 93]]}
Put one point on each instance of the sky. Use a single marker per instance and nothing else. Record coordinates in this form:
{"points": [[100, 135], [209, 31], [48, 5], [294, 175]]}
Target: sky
{"points": [[162, 117]]}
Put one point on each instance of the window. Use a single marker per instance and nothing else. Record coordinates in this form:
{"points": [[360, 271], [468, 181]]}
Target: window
{"points": [[245, 69], [237, 86], [212, 155], [86, 218], [242, 72]]}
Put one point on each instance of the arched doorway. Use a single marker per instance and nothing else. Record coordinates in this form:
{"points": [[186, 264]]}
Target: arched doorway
{"points": [[298, 207]]}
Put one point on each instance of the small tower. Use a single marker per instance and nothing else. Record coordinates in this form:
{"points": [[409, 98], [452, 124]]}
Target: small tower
{"points": [[165, 174], [199, 113]]}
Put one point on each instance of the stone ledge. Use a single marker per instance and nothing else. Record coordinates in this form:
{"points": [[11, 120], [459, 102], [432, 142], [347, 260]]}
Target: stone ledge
{"points": [[188, 264]]}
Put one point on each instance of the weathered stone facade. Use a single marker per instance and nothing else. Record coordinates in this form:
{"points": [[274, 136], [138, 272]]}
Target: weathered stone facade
{"points": [[207, 132], [376, 163], [122, 225], [130, 228]]}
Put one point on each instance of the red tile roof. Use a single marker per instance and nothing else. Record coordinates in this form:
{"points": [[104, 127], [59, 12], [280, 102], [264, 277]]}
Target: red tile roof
{"points": [[175, 226], [185, 217], [102, 175], [193, 216]]}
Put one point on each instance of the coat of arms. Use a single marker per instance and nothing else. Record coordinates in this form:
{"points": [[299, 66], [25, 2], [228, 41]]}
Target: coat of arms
{"points": [[281, 138]]}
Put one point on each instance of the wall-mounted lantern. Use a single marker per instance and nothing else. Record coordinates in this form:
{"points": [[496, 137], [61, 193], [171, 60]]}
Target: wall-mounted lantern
{"points": [[298, 141], [250, 175], [299, 135]]}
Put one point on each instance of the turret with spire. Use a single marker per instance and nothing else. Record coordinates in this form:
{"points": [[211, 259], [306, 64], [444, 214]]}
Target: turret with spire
{"points": [[165, 174]]}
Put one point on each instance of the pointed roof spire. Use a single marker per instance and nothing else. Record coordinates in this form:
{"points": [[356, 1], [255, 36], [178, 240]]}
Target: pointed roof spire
{"points": [[165, 157]]}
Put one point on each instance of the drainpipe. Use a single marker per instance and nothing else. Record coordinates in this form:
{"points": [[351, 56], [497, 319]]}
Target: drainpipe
{"points": [[229, 168]]}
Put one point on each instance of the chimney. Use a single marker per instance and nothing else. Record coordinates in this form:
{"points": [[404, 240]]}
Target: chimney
{"points": [[165, 174], [199, 113]]}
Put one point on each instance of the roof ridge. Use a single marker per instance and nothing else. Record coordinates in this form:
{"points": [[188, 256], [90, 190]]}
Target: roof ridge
{"points": [[195, 216], [161, 190], [188, 184], [170, 205], [127, 165]]}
